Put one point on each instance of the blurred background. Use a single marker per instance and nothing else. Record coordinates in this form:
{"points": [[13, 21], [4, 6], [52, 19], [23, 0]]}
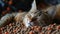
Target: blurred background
{"points": [[7, 6]]}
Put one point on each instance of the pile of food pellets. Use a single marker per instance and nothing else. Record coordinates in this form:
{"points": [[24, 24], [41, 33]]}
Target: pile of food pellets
{"points": [[19, 28]]}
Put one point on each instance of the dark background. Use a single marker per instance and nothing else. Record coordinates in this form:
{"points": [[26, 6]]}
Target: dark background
{"points": [[26, 4]]}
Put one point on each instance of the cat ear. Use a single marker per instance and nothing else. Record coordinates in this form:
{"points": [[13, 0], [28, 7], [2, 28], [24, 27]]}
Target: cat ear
{"points": [[33, 8], [51, 11]]}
